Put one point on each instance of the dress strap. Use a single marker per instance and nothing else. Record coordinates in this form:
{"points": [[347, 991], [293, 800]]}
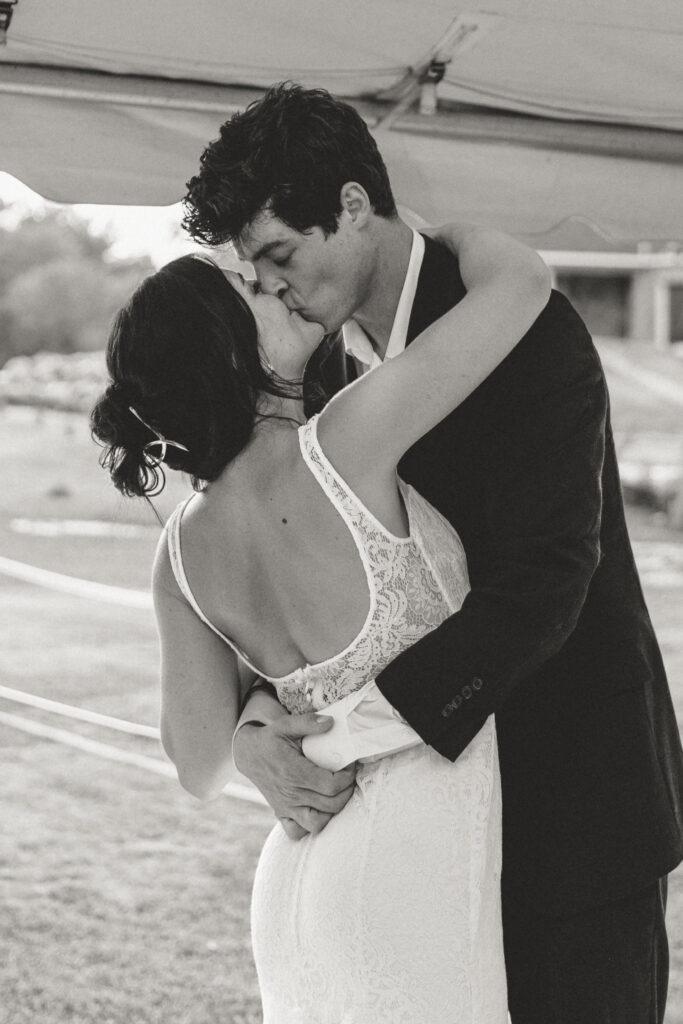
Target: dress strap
{"points": [[174, 550], [360, 520]]}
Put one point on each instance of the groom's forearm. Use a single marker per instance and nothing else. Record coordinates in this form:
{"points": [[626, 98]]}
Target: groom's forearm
{"points": [[529, 584], [447, 684]]}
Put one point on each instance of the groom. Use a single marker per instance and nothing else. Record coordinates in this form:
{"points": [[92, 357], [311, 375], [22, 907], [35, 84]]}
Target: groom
{"points": [[554, 638]]}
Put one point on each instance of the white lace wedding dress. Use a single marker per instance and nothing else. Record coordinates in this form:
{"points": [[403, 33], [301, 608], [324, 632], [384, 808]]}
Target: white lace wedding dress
{"points": [[390, 915]]}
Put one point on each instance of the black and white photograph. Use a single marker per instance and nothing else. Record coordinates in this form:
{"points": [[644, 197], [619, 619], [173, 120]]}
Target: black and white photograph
{"points": [[341, 526]]}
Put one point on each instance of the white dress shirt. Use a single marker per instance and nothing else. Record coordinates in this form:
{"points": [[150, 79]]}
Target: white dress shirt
{"points": [[356, 341]]}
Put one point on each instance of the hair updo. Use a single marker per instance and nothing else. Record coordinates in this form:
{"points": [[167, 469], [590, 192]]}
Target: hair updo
{"points": [[184, 354]]}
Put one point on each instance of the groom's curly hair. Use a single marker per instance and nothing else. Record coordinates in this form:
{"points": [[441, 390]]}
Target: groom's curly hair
{"points": [[291, 152]]}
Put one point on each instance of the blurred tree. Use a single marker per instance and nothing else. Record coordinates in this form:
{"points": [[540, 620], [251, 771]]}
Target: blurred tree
{"points": [[63, 306], [40, 239], [59, 285]]}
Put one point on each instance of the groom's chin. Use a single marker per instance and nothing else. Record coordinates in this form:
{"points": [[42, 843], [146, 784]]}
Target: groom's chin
{"points": [[320, 324], [329, 325]]}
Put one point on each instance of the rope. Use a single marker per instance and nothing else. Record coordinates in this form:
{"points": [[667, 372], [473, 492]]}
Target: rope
{"points": [[68, 711], [105, 750], [72, 585]]}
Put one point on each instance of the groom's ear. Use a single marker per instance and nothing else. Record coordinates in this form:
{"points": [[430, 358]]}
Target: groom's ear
{"points": [[355, 203]]}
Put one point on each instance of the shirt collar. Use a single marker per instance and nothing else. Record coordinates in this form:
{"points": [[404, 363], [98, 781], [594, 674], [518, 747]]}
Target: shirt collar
{"points": [[356, 341]]}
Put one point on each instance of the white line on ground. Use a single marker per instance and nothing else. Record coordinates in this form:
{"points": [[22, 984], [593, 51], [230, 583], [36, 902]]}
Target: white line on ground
{"points": [[68, 711], [105, 750], [73, 585], [78, 528]]}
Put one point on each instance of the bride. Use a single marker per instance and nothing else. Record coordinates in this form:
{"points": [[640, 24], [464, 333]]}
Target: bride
{"points": [[304, 559]]}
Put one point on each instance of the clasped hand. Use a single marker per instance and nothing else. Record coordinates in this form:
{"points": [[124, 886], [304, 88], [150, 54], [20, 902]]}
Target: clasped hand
{"points": [[303, 796]]}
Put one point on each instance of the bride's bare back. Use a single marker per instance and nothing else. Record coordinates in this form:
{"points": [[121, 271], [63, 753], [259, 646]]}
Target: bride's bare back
{"points": [[271, 562]]}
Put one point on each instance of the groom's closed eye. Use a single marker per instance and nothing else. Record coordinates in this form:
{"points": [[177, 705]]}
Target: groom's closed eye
{"points": [[281, 261]]}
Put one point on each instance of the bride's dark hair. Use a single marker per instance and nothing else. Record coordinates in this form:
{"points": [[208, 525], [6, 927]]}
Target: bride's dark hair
{"points": [[184, 354]]}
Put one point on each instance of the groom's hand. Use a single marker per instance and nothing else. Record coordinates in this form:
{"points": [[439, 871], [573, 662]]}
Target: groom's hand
{"points": [[303, 796]]}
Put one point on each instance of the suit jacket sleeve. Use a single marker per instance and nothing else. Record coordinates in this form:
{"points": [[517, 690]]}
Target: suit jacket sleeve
{"points": [[541, 472]]}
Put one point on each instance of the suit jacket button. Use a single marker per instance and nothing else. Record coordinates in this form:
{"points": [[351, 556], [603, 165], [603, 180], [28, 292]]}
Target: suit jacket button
{"points": [[447, 711], [457, 701], [467, 692], [477, 683]]}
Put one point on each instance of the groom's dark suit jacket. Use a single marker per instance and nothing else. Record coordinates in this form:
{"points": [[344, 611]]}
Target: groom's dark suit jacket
{"points": [[555, 637]]}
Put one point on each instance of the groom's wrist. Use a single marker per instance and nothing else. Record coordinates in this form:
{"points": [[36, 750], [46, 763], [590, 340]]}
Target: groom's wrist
{"points": [[260, 708], [239, 738], [260, 686]]}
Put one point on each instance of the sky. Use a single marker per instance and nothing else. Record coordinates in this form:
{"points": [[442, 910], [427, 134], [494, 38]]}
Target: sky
{"points": [[150, 230]]}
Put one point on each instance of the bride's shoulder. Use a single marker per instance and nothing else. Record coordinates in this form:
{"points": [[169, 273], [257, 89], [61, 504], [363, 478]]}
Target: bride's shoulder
{"points": [[168, 557]]}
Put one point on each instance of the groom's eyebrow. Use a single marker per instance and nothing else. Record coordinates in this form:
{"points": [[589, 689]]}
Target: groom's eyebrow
{"points": [[265, 249]]}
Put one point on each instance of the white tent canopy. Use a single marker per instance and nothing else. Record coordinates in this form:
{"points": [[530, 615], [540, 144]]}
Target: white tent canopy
{"points": [[560, 122]]}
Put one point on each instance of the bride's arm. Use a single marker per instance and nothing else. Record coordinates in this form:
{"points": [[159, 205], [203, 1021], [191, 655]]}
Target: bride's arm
{"points": [[368, 426], [200, 688], [450, 234]]}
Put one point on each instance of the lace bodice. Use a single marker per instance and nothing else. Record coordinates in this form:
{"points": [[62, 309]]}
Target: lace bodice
{"points": [[414, 583]]}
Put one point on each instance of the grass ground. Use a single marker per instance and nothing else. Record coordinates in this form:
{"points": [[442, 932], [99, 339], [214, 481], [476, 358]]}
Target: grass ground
{"points": [[125, 901]]}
